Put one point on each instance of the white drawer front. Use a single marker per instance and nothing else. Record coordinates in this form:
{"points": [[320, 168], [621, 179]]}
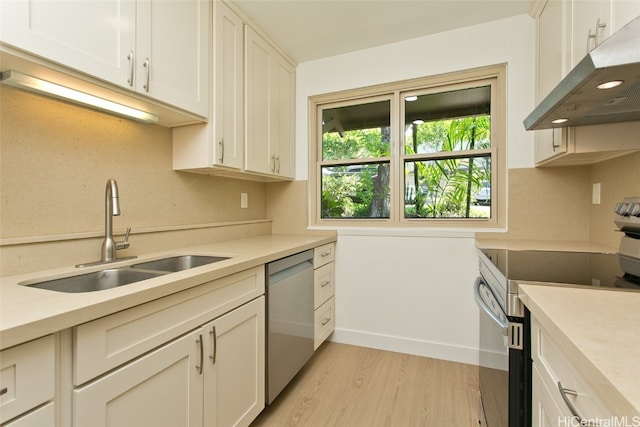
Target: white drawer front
{"points": [[27, 376], [323, 254], [554, 368], [108, 342], [42, 417], [324, 322], [323, 284]]}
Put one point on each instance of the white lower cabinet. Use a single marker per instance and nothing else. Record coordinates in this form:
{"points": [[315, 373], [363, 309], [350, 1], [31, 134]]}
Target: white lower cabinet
{"points": [[234, 366], [561, 395], [163, 388], [28, 380], [212, 376]]}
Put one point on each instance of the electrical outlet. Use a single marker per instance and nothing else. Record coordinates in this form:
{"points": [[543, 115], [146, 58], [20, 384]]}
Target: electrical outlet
{"points": [[595, 194], [244, 200]]}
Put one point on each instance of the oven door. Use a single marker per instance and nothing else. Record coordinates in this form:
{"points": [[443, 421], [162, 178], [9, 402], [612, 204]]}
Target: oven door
{"points": [[494, 358]]}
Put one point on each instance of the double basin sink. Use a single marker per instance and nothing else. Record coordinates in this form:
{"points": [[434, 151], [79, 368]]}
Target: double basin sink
{"points": [[114, 277]]}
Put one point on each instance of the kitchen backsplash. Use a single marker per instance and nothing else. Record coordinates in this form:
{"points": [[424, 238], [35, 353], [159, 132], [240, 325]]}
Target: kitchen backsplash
{"points": [[55, 159]]}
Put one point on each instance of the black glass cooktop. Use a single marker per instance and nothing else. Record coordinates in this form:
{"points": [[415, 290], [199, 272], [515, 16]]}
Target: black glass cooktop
{"points": [[580, 268]]}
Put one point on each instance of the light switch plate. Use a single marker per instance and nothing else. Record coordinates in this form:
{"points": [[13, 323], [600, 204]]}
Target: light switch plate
{"points": [[595, 195], [244, 200]]}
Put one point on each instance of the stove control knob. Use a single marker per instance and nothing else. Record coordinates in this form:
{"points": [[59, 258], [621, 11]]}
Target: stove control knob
{"points": [[621, 208], [634, 209]]}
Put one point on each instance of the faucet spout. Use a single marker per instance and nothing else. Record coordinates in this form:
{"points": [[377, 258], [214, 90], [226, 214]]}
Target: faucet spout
{"points": [[111, 209]]}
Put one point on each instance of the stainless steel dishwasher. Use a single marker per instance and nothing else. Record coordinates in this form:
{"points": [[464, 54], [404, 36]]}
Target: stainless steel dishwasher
{"points": [[289, 319]]}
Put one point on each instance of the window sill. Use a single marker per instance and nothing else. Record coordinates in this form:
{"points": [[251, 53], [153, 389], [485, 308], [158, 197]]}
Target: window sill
{"points": [[409, 231]]}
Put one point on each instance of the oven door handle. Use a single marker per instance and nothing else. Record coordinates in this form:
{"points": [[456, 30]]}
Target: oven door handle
{"points": [[483, 305]]}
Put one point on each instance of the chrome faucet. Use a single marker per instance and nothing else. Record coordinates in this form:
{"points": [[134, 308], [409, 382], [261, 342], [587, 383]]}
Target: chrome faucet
{"points": [[111, 209], [109, 245]]}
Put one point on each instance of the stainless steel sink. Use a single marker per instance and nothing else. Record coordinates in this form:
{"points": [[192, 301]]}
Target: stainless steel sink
{"points": [[99, 280], [178, 263]]}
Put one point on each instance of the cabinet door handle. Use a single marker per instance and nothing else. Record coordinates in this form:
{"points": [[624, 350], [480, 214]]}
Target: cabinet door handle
{"points": [[199, 367], [131, 68], [591, 40], [3, 390], [553, 140], [325, 321], [213, 333], [273, 163], [564, 392], [278, 168], [147, 66], [221, 144], [600, 26]]}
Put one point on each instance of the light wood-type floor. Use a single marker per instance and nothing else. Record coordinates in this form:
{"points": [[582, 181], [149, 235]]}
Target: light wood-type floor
{"points": [[344, 385]]}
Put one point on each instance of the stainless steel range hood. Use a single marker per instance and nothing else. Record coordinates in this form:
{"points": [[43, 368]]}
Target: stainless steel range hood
{"points": [[577, 97]]}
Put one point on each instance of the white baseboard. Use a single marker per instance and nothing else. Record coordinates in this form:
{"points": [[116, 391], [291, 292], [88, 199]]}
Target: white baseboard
{"points": [[434, 350], [407, 345]]}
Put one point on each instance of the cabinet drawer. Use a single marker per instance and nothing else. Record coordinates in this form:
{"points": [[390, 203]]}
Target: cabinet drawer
{"points": [[554, 367], [27, 376], [108, 342], [44, 416], [323, 284], [324, 322], [323, 254]]}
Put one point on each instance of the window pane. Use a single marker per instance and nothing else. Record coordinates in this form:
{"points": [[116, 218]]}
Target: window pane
{"points": [[448, 188], [356, 131], [448, 121], [355, 191]]}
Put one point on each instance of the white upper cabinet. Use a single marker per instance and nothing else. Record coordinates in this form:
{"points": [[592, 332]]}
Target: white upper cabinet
{"points": [[219, 143], [158, 48], [270, 89], [566, 31], [591, 24], [251, 134], [172, 59], [95, 37], [623, 11]]}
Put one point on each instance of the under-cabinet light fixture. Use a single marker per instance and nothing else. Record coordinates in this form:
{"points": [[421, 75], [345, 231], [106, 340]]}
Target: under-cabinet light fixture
{"points": [[24, 81]]}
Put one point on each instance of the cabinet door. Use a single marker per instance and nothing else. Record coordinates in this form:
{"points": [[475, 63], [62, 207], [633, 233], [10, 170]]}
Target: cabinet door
{"points": [[228, 90], [623, 11], [172, 58], [260, 156], [282, 116], [162, 388], [551, 68], [234, 386], [545, 411], [591, 24], [270, 82], [95, 37]]}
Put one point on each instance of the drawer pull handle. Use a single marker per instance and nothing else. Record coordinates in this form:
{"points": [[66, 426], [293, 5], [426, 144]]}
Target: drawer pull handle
{"points": [[3, 390], [212, 332], [325, 283], [325, 321], [325, 254], [199, 367], [566, 391]]}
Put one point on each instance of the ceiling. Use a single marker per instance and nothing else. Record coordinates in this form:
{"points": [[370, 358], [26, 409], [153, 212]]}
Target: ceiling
{"points": [[313, 29]]}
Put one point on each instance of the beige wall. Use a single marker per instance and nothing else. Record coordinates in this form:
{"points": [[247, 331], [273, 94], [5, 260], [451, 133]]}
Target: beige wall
{"points": [[619, 178], [55, 159]]}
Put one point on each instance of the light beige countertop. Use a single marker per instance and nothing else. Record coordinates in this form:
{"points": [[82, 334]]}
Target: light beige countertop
{"points": [[599, 331], [544, 245], [28, 313]]}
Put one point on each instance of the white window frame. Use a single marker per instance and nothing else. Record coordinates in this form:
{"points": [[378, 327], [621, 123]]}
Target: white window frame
{"points": [[495, 76]]}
